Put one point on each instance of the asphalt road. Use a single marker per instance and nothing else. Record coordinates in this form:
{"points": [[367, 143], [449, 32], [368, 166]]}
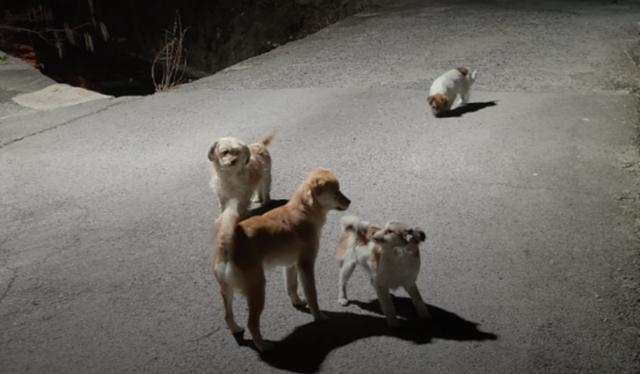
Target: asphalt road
{"points": [[531, 262]]}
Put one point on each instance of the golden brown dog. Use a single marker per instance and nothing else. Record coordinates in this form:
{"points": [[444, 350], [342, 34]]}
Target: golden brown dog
{"points": [[286, 236]]}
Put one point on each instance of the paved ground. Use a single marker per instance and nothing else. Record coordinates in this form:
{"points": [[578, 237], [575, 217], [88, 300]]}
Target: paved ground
{"points": [[531, 264]]}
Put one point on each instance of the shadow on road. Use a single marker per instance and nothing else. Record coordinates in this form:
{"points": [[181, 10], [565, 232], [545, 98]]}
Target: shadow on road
{"points": [[306, 348], [468, 108]]}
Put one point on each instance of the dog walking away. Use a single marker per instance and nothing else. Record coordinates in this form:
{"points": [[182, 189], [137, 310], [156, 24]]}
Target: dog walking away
{"points": [[389, 255], [286, 236], [239, 170], [447, 87]]}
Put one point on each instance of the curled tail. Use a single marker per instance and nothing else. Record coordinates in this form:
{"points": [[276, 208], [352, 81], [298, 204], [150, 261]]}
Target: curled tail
{"points": [[353, 224], [225, 229], [266, 138], [473, 76]]}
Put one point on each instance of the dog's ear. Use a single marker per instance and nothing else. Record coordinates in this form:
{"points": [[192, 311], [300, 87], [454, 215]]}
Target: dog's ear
{"points": [[307, 196], [418, 234], [311, 190], [430, 100], [212, 151]]}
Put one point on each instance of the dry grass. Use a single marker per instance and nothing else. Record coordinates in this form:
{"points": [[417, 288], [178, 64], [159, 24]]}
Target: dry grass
{"points": [[169, 64], [38, 20]]}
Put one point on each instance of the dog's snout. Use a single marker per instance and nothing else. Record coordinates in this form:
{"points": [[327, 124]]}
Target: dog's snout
{"points": [[347, 201], [344, 201], [378, 238]]}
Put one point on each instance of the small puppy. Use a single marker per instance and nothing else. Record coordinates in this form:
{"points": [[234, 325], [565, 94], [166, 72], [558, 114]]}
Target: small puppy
{"points": [[239, 170], [286, 236], [390, 256], [447, 87]]}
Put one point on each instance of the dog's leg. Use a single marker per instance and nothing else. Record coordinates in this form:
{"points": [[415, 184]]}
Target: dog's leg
{"points": [[345, 273], [464, 98], [386, 304], [421, 308], [264, 190], [465, 95], [227, 296], [309, 287], [291, 283], [255, 297], [222, 202], [216, 227]]}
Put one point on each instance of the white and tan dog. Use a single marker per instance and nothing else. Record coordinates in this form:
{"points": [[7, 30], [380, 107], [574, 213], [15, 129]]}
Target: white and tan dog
{"points": [[286, 236], [390, 256], [447, 87], [239, 170]]}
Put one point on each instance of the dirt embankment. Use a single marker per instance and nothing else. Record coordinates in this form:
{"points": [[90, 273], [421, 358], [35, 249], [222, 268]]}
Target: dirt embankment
{"points": [[221, 33]]}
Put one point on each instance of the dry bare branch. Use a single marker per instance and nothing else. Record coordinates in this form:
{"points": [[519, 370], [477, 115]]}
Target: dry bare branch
{"points": [[38, 20], [70, 34], [171, 60], [104, 31]]}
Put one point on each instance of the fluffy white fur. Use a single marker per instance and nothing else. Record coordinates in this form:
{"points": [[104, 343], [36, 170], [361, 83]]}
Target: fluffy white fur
{"points": [[239, 170], [447, 87], [390, 256]]}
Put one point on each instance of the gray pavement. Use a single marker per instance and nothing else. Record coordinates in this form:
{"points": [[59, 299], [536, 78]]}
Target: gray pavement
{"points": [[27, 100], [531, 261]]}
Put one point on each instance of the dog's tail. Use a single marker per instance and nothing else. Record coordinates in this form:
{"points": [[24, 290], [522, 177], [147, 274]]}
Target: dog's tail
{"points": [[226, 227], [353, 224], [473, 76], [267, 138]]}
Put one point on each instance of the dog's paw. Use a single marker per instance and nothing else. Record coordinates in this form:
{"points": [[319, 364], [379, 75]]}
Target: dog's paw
{"points": [[298, 303], [265, 346], [236, 330], [343, 301]]}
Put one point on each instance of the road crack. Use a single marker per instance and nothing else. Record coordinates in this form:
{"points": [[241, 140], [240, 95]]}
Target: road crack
{"points": [[9, 285], [65, 123]]}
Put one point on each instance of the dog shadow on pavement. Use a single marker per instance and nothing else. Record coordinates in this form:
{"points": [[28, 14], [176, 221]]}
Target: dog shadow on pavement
{"points": [[307, 346], [467, 108], [272, 204]]}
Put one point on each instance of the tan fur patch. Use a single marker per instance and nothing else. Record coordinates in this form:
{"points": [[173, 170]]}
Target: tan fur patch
{"points": [[374, 260], [464, 71], [364, 236], [342, 247], [438, 102], [371, 231]]}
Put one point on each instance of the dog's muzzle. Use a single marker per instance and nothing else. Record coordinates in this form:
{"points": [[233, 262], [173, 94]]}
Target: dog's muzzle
{"points": [[344, 202], [229, 163]]}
